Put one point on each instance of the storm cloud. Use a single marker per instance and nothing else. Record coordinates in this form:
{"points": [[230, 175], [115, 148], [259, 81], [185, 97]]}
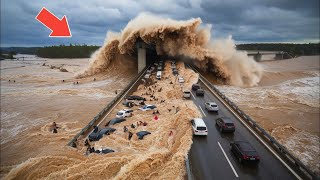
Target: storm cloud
{"points": [[249, 21]]}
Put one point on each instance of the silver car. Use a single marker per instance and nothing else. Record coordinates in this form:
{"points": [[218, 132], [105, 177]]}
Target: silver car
{"points": [[212, 106]]}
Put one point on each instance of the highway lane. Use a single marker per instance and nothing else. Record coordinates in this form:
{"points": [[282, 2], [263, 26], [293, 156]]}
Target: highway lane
{"points": [[208, 161]]}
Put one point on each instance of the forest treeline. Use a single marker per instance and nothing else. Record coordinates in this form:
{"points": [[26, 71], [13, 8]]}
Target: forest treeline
{"points": [[85, 51], [70, 51], [292, 49]]}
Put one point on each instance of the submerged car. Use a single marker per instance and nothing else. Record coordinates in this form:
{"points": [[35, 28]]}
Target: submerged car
{"points": [[147, 107], [181, 80], [212, 106], [115, 121], [97, 134], [141, 134], [244, 151], [124, 113], [225, 124], [135, 98]]}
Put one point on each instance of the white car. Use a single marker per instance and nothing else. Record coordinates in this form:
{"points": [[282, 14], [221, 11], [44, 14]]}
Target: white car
{"points": [[212, 106], [124, 113], [181, 80], [199, 127], [147, 107], [147, 76]]}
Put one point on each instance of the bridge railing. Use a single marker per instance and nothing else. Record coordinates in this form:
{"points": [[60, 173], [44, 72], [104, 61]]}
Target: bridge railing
{"points": [[106, 109], [281, 150]]}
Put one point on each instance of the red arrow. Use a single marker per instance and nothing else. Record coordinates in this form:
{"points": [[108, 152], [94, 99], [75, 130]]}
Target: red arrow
{"points": [[59, 27]]}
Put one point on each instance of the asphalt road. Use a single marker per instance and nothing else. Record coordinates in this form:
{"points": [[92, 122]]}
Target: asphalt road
{"points": [[210, 157]]}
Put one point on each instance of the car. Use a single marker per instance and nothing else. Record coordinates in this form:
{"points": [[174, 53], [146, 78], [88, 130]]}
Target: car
{"points": [[97, 134], [133, 97], [147, 107], [186, 94], [211, 106], [175, 72], [225, 124], [200, 92], [128, 104], [124, 113], [244, 152], [141, 134], [195, 87], [147, 75], [199, 127], [114, 121], [159, 74], [159, 68], [181, 80]]}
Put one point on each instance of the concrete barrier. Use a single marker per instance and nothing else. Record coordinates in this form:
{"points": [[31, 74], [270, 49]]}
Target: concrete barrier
{"points": [[72, 142]]}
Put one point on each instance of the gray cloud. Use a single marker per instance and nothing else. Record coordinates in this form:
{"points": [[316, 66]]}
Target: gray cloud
{"points": [[246, 21]]}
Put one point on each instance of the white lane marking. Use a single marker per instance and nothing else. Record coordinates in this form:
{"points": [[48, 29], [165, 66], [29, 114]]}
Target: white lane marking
{"points": [[225, 155], [253, 132], [202, 111], [193, 95]]}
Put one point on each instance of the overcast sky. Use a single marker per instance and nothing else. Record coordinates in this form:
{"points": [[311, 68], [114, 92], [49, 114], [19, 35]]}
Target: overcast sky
{"points": [[89, 20]]}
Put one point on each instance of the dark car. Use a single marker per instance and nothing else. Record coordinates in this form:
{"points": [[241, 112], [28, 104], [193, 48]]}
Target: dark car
{"points": [[200, 92], [141, 134], [135, 98], [244, 151], [115, 121], [195, 87], [97, 134], [225, 124]]}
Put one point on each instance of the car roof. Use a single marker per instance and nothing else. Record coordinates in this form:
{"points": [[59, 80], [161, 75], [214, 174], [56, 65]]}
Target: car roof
{"points": [[199, 89], [199, 122], [227, 120], [212, 103], [245, 146]]}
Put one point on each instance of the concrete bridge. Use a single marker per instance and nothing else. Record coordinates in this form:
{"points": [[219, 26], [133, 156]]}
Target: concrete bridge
{"points": [[268, 55]]}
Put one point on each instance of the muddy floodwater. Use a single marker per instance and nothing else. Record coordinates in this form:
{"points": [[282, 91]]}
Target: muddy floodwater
{"points": [[37, 92]]}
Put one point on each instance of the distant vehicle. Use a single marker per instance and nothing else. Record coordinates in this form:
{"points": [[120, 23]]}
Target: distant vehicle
{"points": [[173, 66], [244, 151], [128, 104], [195, 87], [225, 124], [149, 71], [115, 121], [199, 127], [200, 92], [124, 113], [97, 134], [147, 76], [147, 107], [181, 80], [141, 134], [135, 98], [186, 94], [212, 106], [159, 74], [159, 68], [175, 72]]}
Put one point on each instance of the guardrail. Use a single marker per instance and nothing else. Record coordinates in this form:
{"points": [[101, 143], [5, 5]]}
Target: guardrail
{"points": [[106, 109], [281, 150]]}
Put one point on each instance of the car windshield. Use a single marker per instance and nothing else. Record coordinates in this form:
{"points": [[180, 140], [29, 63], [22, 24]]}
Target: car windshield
{"points": [[119, 113], [187, 92], [214, 105], [201, 128]]}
